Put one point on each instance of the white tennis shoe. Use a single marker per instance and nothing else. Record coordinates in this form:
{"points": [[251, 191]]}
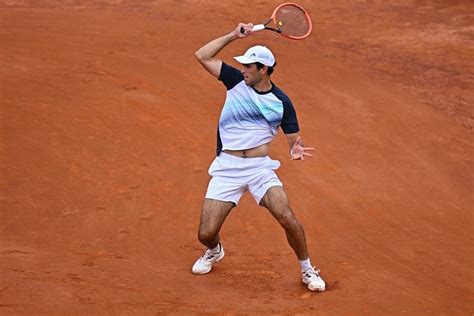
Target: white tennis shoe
{"points": [[311, 278], [204, 264]]}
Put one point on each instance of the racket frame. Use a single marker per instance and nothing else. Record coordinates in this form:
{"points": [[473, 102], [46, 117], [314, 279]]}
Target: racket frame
{"points": [[264, 26]]}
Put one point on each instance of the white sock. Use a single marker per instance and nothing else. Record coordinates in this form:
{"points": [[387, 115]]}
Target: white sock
{"points": [[305, 265], [216, 249]]}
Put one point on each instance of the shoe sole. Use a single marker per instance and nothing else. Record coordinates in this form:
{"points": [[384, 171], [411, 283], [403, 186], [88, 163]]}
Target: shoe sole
{"points": [[315, 289], [207, 271]]}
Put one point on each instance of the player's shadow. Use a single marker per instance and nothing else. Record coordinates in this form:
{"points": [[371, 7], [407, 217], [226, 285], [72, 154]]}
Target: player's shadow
{"points": [[333, 285]]}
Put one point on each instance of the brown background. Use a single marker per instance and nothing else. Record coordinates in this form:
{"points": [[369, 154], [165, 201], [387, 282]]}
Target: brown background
{"points": [[108, 127]]}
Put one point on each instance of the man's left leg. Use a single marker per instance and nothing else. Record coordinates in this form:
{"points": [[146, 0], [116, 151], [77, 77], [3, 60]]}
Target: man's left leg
{"points": [[276, 201]]}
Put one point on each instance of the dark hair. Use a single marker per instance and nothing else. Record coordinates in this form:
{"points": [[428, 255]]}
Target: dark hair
{"points": [[270, 69]]}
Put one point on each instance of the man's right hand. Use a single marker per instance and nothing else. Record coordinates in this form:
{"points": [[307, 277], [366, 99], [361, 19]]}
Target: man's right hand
{"points": [[247, 28]]}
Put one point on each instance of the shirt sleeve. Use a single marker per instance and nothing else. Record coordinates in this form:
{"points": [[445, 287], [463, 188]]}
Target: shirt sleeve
{"points": [[289, 122], [230, 76]]}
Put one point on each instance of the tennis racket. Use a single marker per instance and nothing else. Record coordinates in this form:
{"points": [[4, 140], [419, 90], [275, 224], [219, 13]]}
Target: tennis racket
{"points": [[289, 19]]}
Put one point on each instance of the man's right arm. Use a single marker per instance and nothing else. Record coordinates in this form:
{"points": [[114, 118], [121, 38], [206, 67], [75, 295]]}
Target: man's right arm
{"points": [[206, 54]]}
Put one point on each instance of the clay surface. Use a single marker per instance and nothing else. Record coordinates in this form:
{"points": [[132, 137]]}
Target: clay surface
{"points": [[108, 127]]}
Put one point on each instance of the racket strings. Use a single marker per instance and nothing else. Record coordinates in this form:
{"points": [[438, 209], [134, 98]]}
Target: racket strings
{"points": [[292, 21]]}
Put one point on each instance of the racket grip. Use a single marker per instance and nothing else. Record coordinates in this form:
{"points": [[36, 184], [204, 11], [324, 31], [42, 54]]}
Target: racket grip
{"points": [[258, 27], [255, 28]]}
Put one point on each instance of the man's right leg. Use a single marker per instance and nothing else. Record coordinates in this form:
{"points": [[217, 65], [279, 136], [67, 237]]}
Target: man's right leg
{"points": [[213, 214]]}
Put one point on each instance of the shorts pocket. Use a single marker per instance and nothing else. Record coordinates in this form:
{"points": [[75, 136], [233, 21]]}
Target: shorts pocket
{"points": [[214, 167], [273, 164]]}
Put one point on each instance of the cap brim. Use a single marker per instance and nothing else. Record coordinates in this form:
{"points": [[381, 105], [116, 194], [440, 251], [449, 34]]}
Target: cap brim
{"points": [[244, 60]]}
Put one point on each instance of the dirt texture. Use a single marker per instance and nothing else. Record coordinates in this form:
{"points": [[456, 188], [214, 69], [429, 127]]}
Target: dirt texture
{"points": [[108, 126]]}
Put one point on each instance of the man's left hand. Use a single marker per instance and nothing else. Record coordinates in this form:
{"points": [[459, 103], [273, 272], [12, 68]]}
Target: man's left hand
{"points": [[298, 151]]}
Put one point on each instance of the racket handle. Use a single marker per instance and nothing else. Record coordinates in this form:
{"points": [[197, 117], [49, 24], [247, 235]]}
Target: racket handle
{"points": [[258, 27], [255, 28]]}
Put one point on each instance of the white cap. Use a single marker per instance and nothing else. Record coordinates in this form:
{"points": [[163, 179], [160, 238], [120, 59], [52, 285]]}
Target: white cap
{"points": [[257, 54]]}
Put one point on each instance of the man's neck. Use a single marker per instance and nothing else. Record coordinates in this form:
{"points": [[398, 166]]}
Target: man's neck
{"points": [[263, 85]]}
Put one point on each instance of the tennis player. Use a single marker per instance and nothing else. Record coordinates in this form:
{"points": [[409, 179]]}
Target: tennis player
{"points": [[253, 111]]}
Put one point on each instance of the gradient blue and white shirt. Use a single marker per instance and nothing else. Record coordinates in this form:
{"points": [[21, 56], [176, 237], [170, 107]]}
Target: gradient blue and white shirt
{"points": [[251, 118]]}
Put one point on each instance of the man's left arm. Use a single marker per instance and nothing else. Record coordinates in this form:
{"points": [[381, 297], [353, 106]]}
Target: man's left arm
{"points": [[297, 150], [290, 127]]}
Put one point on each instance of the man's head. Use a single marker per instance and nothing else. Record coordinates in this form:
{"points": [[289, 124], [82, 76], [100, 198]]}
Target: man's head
{"points": [[258, 61]]}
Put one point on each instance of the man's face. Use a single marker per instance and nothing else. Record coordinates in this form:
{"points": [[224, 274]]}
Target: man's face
{"points": [[252, 74]]}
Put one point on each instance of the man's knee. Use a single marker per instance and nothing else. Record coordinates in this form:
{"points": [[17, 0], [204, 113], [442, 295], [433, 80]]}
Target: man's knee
{"points": [[289, 221], [206, 235]]}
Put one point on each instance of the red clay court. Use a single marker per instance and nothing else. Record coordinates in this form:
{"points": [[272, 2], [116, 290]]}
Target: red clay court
{"points": [[108, 127]]}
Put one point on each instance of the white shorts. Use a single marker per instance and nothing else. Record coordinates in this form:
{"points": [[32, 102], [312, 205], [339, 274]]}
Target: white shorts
{"points": [[232, 176]]}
